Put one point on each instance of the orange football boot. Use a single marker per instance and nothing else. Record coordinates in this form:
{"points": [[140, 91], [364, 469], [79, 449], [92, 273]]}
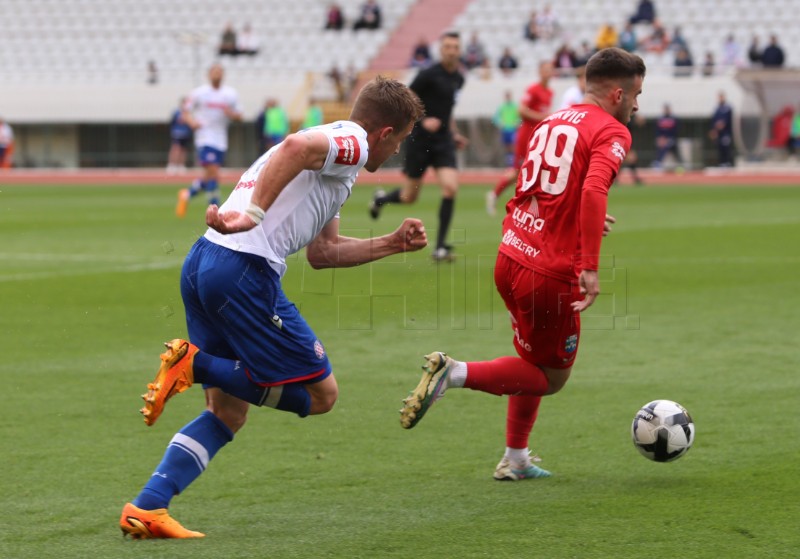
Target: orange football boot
{"points": [[148, 524], [174, 376], [183, 202]]}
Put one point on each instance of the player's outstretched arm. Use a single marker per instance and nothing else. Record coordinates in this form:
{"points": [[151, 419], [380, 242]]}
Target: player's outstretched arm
{"points": [[331, 250], [298, 152]]}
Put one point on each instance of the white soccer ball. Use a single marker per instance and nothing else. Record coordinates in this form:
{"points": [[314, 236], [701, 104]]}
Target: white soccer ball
{"points": [[662, 430]]}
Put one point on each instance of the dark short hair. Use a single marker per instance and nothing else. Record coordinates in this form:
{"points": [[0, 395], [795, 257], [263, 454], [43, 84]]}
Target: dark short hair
{"points": [[386, 102], [451, 34], [613, 64]]}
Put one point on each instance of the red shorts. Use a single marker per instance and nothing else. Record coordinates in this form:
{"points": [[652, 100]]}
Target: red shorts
{"points": [[546, 329]]}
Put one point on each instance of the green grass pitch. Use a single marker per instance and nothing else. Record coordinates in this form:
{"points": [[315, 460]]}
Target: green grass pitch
{"points": [[700, 306]]}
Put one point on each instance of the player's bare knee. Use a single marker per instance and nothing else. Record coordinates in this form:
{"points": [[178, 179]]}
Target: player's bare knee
{"points": [[323, 403], [556, 379], [233, 418]]}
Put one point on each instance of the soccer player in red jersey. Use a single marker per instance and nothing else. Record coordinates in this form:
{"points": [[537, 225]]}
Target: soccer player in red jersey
{"points": [[533, 108], [546, 269]]}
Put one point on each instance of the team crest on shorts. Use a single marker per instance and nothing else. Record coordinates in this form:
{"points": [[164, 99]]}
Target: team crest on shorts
{"points": [[571, 343], [318, 349]]}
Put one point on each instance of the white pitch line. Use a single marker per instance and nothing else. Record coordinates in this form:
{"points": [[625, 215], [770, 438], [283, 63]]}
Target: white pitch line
{"points": [[130, 268], [67, 257]]}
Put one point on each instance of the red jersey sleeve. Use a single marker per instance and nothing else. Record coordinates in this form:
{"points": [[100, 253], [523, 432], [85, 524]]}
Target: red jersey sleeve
{"points": [[608, 152]]}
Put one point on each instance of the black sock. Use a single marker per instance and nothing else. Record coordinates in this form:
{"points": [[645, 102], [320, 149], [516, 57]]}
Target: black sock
{"points": [[391, 198], [445, 216]]}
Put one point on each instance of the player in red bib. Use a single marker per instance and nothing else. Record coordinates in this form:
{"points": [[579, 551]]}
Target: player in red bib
{"points": [[548, 259], [533, 108]]}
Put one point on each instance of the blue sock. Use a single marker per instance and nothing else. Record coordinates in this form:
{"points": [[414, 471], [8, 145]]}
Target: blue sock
{"points": [[211, 187], [187, 456], [196, 186], [229, 376]]}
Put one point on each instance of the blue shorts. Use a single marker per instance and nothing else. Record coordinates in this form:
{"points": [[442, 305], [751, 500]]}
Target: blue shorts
{"points": [[236, 309], [509, 137], [210, 156]]}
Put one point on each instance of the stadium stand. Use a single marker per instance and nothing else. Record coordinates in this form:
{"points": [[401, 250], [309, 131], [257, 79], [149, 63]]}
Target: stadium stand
{"points": [[84, 62]]}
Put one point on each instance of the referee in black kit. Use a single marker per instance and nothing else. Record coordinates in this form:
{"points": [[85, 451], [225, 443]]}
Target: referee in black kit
{"points": [[433, 141]]}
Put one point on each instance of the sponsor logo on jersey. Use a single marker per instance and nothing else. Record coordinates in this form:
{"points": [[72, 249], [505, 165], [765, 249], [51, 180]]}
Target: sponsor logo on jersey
{"points": [[245, 184], [528, 220], [618, 151], [349, 150], [510, 239]]}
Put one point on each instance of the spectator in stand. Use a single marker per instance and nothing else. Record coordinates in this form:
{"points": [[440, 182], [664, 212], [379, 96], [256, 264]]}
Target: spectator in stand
{"points": [[772, 57], [678, 41], [584, 53], [645, 12], [565, 59], [658, 40], [531, 29], [754, 52], [152, 72], [547, 23], [474, 53], [683, 63], [227, 44], [731, 53], [421, 55], [627, 39], [370, 17], [247, 42], [722, 131], [180, 135], [6, 144], [335, 19], [667, 138], [507, 120], [508, 62], [709, 64], [606, 37]]}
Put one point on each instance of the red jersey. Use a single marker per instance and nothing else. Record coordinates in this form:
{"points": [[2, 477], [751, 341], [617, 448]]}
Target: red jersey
{"points": [[537, 98], [554, 222]]}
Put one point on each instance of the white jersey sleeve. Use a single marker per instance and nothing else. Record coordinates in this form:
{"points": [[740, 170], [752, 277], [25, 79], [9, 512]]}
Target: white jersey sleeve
{"points": [[305, 205]]}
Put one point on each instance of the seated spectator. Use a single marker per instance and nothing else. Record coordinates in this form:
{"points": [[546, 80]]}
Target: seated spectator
{"points": [[370, 17], [678, 41], [683, 63], [421, 56], [658, 41], [227, 44], [709, 64], [606, 37], [564, 61], [508, 62], [152, 72], [645, 12], [754, 52], [627, 39], [772, 57], [474, 53], [584, 53], [547, 22], [335, 19], [247, 42], [731, 53], [531, 29]]}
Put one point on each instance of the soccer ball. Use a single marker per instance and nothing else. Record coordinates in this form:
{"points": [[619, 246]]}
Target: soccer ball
{"points": [[662, 431]]}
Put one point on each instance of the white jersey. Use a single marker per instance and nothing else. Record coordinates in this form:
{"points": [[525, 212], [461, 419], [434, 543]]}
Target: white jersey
{"points": [[208, 107], [306, 205], [6, 135], [572, 96]]}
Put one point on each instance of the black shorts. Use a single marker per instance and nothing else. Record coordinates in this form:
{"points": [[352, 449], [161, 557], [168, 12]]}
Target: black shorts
{"points": [[424, 150], [183, 142]]}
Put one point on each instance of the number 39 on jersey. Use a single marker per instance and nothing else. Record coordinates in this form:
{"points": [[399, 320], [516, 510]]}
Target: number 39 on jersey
{"points": [[550, 153]]}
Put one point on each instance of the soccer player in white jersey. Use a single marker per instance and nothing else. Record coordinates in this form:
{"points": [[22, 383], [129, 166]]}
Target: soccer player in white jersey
{"points": [[208, 111], [249, 344], [575, 93]]}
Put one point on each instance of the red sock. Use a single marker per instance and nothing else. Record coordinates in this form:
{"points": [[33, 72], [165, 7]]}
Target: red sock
{"points": [[501, 186], [506, 375], [522, 412]]}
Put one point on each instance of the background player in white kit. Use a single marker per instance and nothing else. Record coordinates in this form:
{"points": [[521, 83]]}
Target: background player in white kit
{"points": [[209, 109], [249, 344]]}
